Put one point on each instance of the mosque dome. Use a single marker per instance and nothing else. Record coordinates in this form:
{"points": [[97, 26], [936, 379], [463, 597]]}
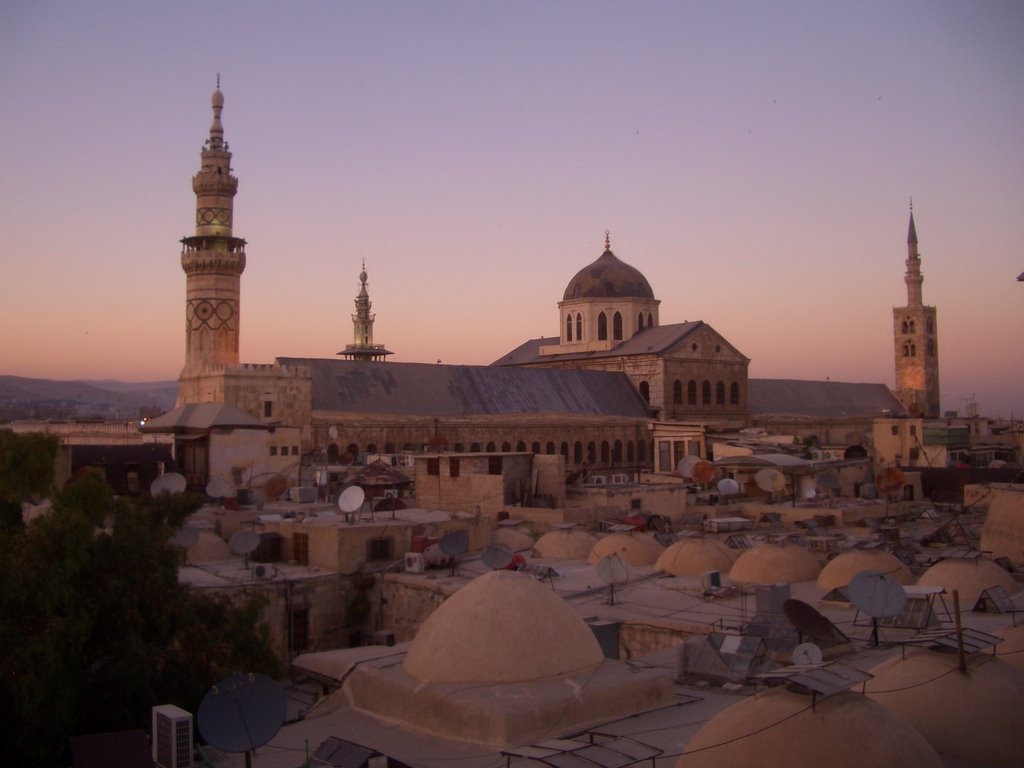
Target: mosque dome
{"points": [[969, 577], [634, 548], [1003, 531], [839, 571], [693, 556], [973, 716], [564, 545], [779, 729], [217, 99], [608, 278], [775, 564], [487, 632]]}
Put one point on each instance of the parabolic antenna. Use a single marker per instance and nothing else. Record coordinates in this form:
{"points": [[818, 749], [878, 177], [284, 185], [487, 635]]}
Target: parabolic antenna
{"points": [[351, 499], [878, 594], [185, 537], [807, 653], [770, 480], [808, 621], [828, 480], [218, 488], [332, 432], [889, 480], [172, 482], [686, 465], [273, 486], [703, 471], [612, 569], [497, 556], [243, 542], [454, 543], [728, 487], [810, 493], [241, 712]]}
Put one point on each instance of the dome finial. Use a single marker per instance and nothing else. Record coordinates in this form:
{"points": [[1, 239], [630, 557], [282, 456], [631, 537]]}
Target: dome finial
{"points": [[218, 81], [607, 240]]}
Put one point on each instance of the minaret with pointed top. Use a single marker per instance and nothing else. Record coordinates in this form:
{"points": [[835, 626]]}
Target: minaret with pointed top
{"points": [[213, 259], [916, 341], [362, 346]]}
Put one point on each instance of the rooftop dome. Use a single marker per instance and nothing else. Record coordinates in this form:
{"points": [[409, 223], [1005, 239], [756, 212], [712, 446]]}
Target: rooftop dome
{"points": [[564, 545], [1003, 531], [487, 632], [779, 729], [692, 556], [634, 548], [1011, 650], [973, 716], [841, 570], [209, 548], [969, 577], [608, 278], [775, 564]]}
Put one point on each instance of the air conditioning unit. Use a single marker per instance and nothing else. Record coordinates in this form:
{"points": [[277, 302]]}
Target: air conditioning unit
{"points": [[263, 571], [172, 737], [620, 478], [390, 493], [415, 562]]}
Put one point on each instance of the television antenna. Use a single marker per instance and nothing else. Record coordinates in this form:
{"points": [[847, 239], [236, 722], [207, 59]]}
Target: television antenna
{"points": [[241, 713], [171, 483], [351, 501], [612, 570], [879, 595], [453, 544]]}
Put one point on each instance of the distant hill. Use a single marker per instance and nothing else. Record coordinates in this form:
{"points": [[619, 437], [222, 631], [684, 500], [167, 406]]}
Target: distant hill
{"points": [[24, 398]]}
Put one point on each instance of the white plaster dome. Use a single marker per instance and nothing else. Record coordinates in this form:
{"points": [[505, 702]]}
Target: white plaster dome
{"points": [[693, 556], [969, 577], [775, 564], [564, 545], [779, 729], [1003, 531], [634, 548], [503, 627], [841, 569]]}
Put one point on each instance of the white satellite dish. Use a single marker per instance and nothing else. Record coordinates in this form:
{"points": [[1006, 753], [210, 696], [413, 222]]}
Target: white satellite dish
{"points": [[879, 595], [728, 487], [686, 465], [172, 482], [770, 480], [807, 653], [810, 493], [332, 432], [219, 488], [244, 542], [351, 499]]}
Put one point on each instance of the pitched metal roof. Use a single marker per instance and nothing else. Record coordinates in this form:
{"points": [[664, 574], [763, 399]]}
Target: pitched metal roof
{"points": [[423, 389], [197, 417], [794, 397]]}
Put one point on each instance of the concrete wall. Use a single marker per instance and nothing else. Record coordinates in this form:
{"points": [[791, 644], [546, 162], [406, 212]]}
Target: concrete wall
{"points": [[242, 456]]}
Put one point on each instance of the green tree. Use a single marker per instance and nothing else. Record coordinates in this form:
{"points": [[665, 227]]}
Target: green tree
{"points": [[96, 628], [26, 470]]}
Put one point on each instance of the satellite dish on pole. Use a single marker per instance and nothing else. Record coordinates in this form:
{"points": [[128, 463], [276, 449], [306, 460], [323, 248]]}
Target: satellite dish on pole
{"points": [[889, 480], [172, 482], [274, 485], [770, 480], [612, 570], [244, 543], [728, 487], [218, 488], [703, 472], [497, 556], [351, 501], [879, 595], [686, 465], [241, 713], [453, 544], [807, 653]]}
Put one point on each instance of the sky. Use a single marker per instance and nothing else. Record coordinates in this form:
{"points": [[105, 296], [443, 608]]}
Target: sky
{"points": [[755, 160]]}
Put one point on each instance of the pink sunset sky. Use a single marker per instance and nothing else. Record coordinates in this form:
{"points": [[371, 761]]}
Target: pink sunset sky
{"points": [[754, 160]]}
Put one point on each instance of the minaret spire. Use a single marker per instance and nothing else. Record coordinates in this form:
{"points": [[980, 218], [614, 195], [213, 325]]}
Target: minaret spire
{"points": [[913, 278], [362, 346]]}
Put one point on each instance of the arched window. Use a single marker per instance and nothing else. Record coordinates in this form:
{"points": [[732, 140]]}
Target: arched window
{"points": [[602, 327], [564, 450], [460, 448], [577, 452], [520, 446], [617, 326], [605, 452], [677, 392], [549, 449], [641, 452], [630, 452], [931, 349], [650, 319], [705, 393], [535, 448], [720, 393], [474, 447], [389, 447], [645, 391], [353, 451], [332, 453], [591, 452], [929, 325], [734, 394], [912, 330], [371, 448], [490, 447], [617, 452], [639, 322], [691, 392], [568, 327], [579, 327], [905, 326], [506, 447]]}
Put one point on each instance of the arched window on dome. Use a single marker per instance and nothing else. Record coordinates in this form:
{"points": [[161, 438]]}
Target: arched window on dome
{"points": [[645, 391], [650, 319], [579, 327], [720, 393], [677, 392], [602, 327], [617, 327], [705, 393], [568, 327], [734, 394], [639, 322], [691, 392]]}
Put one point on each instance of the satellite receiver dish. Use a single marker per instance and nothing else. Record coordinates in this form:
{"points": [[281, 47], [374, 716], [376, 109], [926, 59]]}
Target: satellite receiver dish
{"points": [[497, 556], [244, 543], [879, 595], [703, 472], [453, 544], [612, 570], [889, 480], [686, 465], [332, 432], [218, 488], [172, 482], [185, 537], [809, 622], [274, 485], [810, 493], [241, 713], [728, 487], [807, 653], [770, 480], [351, 500]]}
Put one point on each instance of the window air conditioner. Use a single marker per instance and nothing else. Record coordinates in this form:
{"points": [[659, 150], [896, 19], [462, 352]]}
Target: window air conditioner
{"points": [[620, 478], [415, 562], [172, 737]]}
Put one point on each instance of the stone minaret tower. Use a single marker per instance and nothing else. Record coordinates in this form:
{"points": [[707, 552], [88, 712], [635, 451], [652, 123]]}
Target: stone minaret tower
{"points": [[213, 261], [362, 346], [916, 340]]}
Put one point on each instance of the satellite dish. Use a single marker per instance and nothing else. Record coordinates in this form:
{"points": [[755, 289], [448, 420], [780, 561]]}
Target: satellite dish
{"points": [[807, 653], [497, 556], [686, 465], [809, 622], [219, 488], [889, 480], [878, 594], [273, 486], [172, 482], [332, 432], [703, 471], [185, 537], [351, 499], [454, 543], [728, 487], [243, 542], [770, 480], [612, 570], [241, 712], [810, 493]]}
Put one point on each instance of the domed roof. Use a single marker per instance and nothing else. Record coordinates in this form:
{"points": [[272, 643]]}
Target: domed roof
{"points": [[692, 556], [840, 570], [972, 717], [487, 632], [969, 577], [608, 278], [1011, 649], [779, 729], [564, 545], [634, 548], [210, 548], [1003, 531], [775, 564], [516, 539]]}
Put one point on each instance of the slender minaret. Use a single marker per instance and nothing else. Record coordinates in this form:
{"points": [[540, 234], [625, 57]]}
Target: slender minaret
{"points": [[916, 340], [362, 346], [213, 259]]}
